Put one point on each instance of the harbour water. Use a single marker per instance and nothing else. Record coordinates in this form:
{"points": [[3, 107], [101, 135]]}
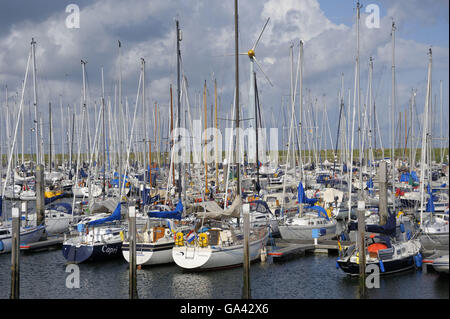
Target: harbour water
{"points": [[43, 275]]}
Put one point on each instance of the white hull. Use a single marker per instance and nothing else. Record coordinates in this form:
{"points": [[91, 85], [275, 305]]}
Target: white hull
{"points": [[150, 254], [27, 236], [305, 232], [213, 257], [441, 264]]}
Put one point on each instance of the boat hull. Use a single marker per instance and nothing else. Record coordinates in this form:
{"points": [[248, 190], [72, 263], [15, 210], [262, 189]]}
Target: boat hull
{"points": [[27, 236], [150, 254], [74, 253], [305, 232], [392, 266], [214, 257], [441, 264]]}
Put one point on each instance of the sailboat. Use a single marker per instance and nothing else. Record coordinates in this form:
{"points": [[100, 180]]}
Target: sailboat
{"points": [[155, 241], [383, 250], [301, 226], [98, 237], [214, 243]]}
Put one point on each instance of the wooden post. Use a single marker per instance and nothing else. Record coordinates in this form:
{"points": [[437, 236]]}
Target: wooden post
{"points": [[362, 246], [132, 251], [15, 263], [40, 200], [246, 292], [382, 182]]}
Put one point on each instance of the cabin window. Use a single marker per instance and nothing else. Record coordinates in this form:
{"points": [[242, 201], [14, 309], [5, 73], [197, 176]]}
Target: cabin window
{"points": [[213, 237]]}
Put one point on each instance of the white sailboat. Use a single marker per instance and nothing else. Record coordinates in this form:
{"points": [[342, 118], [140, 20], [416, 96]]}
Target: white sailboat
{"points": [[215, 243]]}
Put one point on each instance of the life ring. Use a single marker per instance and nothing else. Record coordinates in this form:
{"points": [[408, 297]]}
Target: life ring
{"points": [[179, 239], [203, 240]]}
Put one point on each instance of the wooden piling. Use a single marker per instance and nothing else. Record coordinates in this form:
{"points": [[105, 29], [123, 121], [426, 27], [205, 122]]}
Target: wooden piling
{"points": [[40, 200], [246, 291], [15, 254], [382, 180], [362, 247], [132, 240]]}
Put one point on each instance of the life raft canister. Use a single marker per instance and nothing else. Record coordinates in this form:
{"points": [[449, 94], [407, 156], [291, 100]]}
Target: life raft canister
{"points": [[203, 240], [179, 239], [374, 248]]}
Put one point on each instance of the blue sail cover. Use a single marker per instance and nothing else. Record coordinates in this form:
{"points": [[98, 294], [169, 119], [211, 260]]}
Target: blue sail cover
{"points": [[175, 214], [146, 199], [370, 186], [430, 203], [388, 229], [114, 216], [404, 177], [302, 196], [321, 212]]}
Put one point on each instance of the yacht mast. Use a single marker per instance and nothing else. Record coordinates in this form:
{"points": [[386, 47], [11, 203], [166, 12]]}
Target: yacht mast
{"points": [[393, 115]]}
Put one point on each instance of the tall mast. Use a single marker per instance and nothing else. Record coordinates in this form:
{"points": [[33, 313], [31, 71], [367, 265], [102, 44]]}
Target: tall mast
{"points": [[145, 121], [104, 137], [301, 115], [393, 115], [179, 107], [50, 128], [216, 139], [171, 130], [120, 124], [424, 140], [206, 125], [358, 95], [236, 63], [36, 127]]}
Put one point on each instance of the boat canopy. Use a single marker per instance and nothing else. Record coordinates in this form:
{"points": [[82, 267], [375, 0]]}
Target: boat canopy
{"points": [[175, 214]]}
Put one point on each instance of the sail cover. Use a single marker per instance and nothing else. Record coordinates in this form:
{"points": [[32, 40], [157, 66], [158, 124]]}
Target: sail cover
{"points": [[175, 214], [302, 196], [213, 210], [114, 216]]}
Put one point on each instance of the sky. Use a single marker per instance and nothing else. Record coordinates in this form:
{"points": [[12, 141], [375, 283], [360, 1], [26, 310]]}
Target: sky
{"points": [[146, 29]]}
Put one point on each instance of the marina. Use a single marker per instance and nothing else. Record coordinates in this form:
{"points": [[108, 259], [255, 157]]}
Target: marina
{"points": [[121, 191]]}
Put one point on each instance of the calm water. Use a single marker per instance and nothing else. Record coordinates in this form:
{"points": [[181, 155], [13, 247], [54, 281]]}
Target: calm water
{"points": [[43, 275]]}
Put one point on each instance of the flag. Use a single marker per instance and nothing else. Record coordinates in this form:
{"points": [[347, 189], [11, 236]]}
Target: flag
{"points": [[190, 236]]}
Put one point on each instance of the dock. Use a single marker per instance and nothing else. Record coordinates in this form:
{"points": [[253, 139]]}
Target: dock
{"points": [[49, 243], [284, 250]]}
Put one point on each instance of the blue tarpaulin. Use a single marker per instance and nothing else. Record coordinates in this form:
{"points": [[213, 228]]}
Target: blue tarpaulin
{"points": [[114, 216], [302, 196], [175, 214]]}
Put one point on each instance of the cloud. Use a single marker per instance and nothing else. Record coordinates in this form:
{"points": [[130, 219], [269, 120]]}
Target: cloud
{"points": [[147, 30]]}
